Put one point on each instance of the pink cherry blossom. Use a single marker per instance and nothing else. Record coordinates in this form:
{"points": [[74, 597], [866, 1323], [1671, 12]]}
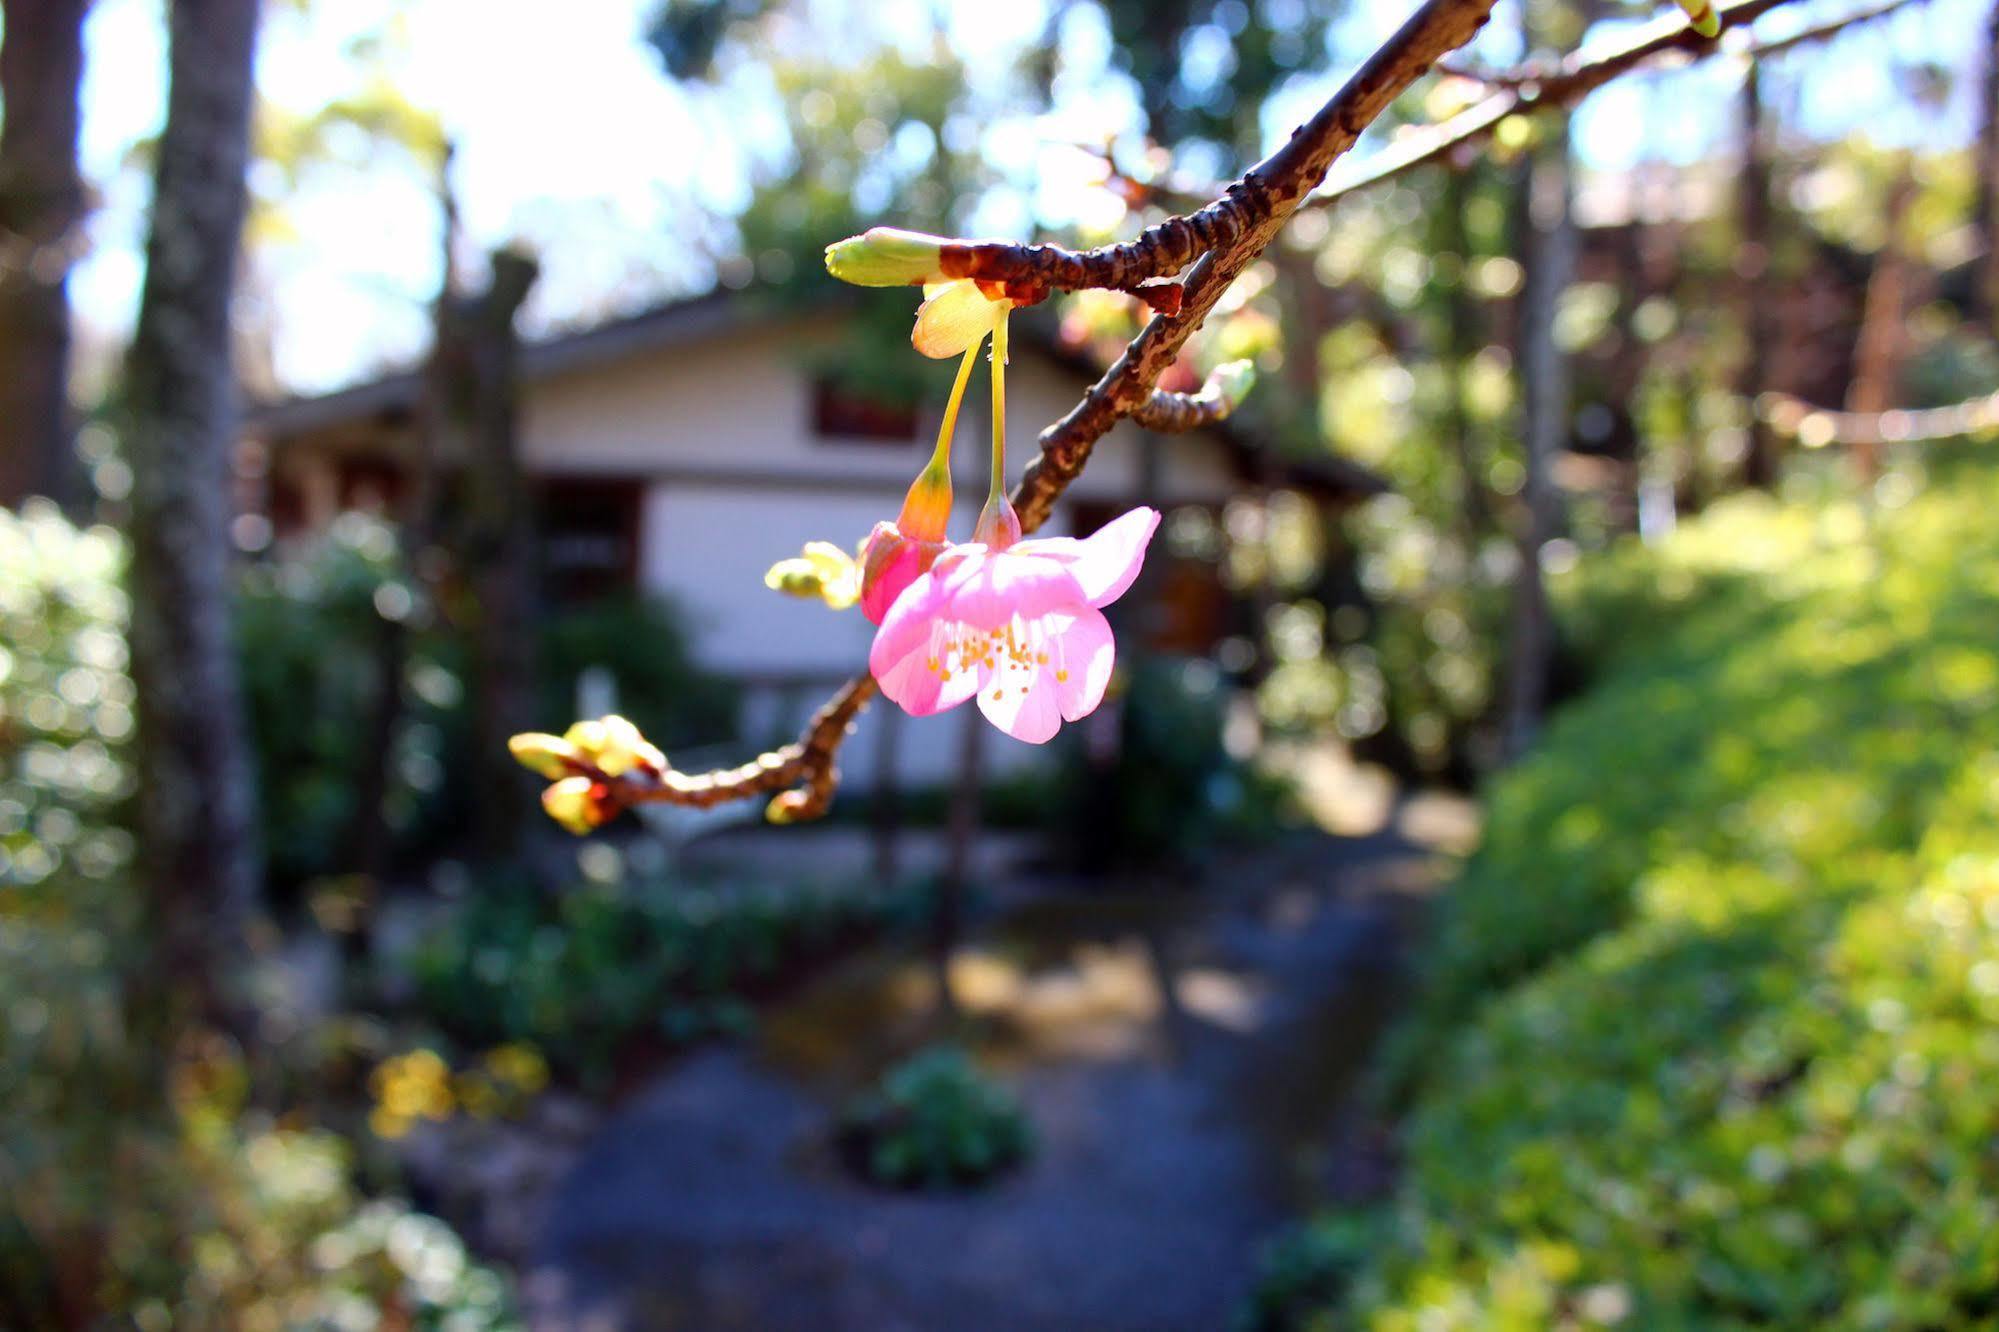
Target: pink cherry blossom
{"points": [[1021, 628]]}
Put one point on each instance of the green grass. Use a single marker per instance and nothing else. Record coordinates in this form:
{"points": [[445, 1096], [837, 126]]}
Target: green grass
{"points": [[1709, 1033]]}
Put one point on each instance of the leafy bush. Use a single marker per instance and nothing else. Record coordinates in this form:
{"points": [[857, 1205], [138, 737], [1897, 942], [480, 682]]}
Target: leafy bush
{"points": [[583, 974], [935, 1122], [120, 1206], [311, 628], [1708, 1013], [642, 643], [1171, 792]]}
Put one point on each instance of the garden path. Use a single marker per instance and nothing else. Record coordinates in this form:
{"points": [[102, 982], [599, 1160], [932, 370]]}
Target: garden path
{"points": [[1178, 1123]]}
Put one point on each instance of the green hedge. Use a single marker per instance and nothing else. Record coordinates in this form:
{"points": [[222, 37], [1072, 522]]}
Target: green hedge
{"points": [[1711, 1029]]}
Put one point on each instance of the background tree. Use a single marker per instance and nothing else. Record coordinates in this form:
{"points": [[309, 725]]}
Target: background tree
{"points": [[179, 426], [41, 208]]}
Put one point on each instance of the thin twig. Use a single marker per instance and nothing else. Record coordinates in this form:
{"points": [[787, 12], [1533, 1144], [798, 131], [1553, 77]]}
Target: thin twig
{"points": [[1816, 427], [1220, 240], [1171, 413], [1525, 92]]}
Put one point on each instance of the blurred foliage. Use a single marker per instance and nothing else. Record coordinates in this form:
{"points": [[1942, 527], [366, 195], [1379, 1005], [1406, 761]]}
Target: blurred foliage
{"points": [[1706, 1017], [643, 643], [418, 1084], [121, 1206], [1168, 793], [586, 974], [311, 624], [310, 628], [936, 1122]]}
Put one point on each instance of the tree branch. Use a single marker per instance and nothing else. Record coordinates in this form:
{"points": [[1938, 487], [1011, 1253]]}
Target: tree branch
{"points": [[1221, 240], [1816, 427], [1525, 91]]}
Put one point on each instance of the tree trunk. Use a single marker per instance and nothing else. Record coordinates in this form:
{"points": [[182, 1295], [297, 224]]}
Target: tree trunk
{"points": [[498, 555], [1459, 350], [1985, 204], [1882, 346], [1753, 281], [1550, 262], [41, 207], [195, 795]]}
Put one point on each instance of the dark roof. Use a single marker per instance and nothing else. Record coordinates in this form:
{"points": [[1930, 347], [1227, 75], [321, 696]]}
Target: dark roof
{"points": [[677, 323]]}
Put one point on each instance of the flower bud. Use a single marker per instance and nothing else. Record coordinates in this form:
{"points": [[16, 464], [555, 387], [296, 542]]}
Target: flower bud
{"points": [[1701, 17], [890, 562], [548, 756], [823, 571], [1231, 382], [886, 257], [577, 804], [999, 525], [926, 509]]}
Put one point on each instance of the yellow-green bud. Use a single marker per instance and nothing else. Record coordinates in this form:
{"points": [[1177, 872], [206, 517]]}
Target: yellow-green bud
{"points": [[1231, 382], [1701, 15], [548, 755], [823, 571], [886, 257]]}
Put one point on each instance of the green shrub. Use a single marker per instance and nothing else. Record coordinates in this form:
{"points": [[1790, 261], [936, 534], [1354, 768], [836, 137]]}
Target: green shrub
{"points": [[582, 974], [1171, 792], [641, 641], [311, 631], [935, 1122], [1709, 1017], [121, 1206]]}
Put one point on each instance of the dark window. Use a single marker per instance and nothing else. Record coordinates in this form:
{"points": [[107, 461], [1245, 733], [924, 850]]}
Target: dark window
{"points": [[842, 414], [589, 536]]}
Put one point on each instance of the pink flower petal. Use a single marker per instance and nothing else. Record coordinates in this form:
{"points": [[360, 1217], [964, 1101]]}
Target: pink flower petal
{"points": [[905, 659], [889, 564], [1006, 585], [1105, 563], [1080, 661], [1023, 704]]}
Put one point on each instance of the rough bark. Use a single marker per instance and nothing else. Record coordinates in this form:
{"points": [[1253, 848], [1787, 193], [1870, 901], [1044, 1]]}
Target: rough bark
{"points": [[1882, 347], [1985, 207], [195, 797], [497, 548], [41, 207], [1550, 264], [1753, 281]]}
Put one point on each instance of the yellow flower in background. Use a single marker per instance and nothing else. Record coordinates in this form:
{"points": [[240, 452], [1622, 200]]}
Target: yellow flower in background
{"points": [[823, 571]]}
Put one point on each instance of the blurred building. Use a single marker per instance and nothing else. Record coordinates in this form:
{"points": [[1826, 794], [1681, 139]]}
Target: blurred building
{"points": [[683, 450]]}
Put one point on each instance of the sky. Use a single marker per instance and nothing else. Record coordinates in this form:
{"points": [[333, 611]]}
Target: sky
{"points": [[570, 138]]}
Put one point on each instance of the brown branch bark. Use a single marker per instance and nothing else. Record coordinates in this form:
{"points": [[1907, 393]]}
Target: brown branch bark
{"points": [[1574, 79], [1819, 427], [1227, 236]]}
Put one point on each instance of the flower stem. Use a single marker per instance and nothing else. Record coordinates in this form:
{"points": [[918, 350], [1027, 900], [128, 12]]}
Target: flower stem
{"points": [[999, 526], [941, 455], [999, 406]]}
